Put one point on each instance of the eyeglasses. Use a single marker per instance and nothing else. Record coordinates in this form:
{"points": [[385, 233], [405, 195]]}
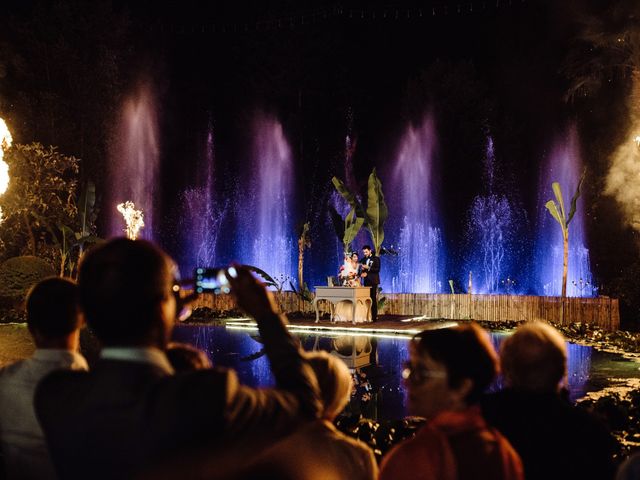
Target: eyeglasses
{"points": [[183, 310], [419, 375]]}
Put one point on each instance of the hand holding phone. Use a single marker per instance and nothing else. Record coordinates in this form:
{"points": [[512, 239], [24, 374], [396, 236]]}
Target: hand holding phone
{"points": [[250, 294], [211, 280]]}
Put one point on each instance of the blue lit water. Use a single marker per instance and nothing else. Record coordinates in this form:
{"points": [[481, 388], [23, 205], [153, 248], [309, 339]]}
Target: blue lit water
{"points": [[379, 393]]}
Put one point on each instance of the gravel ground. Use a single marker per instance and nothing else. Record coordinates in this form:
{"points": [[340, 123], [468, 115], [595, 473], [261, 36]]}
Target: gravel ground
{"points": [[15, 343]]}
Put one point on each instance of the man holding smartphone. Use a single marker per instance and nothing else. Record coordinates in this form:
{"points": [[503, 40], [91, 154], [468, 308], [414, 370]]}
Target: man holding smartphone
{"points": [[371, 275], [131, 414]]}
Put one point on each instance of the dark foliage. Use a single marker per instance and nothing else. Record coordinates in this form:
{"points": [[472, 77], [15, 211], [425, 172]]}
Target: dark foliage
{"points": [[380, 436], [621, 414]]}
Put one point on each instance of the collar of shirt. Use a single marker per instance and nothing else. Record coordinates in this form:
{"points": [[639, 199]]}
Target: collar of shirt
{"points": [[150, 355], [76, 361], [460, 421]]}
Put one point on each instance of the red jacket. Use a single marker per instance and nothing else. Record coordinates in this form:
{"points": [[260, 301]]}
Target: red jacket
{"points": [[454, 446]]}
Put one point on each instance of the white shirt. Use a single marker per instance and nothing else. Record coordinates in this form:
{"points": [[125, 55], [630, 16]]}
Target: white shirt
{"points": [[150, 355], [23, 445]]}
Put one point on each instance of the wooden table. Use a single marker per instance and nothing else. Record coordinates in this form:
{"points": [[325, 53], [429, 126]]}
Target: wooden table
{"points": [[335, 295]]}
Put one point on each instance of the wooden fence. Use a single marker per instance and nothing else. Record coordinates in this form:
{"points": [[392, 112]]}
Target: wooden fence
{"points": [[601, 311]]}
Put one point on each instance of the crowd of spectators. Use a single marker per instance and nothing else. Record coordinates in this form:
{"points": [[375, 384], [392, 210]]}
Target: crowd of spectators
{"points": [[152, 409]]}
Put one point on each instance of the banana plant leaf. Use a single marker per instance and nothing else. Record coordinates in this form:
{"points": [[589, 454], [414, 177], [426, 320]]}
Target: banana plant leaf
{"points": [[88, 239], [553, 210], [377, 211], [576, 195], [68, 235], [352, 225], [304, 293], [86, 203], [557, 191], [337, 222], [348, 196], [269, 281]]}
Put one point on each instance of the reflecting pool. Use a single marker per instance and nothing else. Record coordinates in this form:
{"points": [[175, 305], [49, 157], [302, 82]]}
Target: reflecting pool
{"points": [[376, 363]]}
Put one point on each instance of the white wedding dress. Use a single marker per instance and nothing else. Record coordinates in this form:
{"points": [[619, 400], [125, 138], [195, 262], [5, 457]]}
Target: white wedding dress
{"points": [[344, 310]]}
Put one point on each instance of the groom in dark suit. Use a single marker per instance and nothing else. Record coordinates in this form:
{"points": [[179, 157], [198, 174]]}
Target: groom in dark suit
{"points": [[131, 413], [371, 275]]}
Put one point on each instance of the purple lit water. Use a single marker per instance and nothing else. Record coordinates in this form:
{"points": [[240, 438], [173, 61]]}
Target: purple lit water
{"points": [[134, 162], [490, 236], [564, 165], [266, 238], [588, 369], [201, 215], [254, 222], [413, 228]]}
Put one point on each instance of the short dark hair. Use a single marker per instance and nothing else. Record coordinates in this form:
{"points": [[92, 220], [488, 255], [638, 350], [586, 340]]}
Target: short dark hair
{"points": [[122, 282], [367, 247], [53, 307], [466, 353]]}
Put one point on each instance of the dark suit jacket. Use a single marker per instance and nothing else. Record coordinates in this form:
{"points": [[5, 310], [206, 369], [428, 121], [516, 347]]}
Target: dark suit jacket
{"points": [[123, 417], [373, 274], [555, 440]]}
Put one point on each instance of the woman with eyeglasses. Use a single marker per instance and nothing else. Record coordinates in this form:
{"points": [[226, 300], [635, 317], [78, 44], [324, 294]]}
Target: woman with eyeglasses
{"points": [[448, 371]]}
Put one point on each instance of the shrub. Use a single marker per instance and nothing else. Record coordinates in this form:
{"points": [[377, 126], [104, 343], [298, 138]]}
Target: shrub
{"points": [[18, 275]]}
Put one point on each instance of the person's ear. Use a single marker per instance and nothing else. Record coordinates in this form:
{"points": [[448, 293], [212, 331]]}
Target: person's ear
{"points": [[166, 310], [462, 390], [36, 335]]}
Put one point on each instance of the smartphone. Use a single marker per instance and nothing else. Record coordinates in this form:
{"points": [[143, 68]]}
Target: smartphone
{"points": [[211, 280]]}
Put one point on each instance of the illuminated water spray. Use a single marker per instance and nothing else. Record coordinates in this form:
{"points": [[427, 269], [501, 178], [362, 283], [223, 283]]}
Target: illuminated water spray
{"points": [[563, 166], [267, 239], [5, 142], [420, 263], [134, 219], [135, 158], [202, 214], [490, 232]]}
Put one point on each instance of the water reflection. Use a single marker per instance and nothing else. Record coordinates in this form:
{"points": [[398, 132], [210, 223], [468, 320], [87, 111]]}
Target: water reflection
{"points": [[578, 369], [376, 364], [378, 391]]}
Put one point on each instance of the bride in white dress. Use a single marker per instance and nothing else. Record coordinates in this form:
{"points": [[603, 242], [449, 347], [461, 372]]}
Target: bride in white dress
{"points": [[350, 271], [350, 277]]}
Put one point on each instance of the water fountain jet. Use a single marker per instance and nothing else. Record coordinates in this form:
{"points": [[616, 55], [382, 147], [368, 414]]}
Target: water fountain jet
{"points": [[267, 239], [490, 233], [135, 159], [564, 165], [420, 265]]}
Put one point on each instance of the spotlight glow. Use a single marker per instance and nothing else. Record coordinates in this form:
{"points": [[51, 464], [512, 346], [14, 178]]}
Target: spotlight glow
{"points": [[133, 218], [5, 143]]}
